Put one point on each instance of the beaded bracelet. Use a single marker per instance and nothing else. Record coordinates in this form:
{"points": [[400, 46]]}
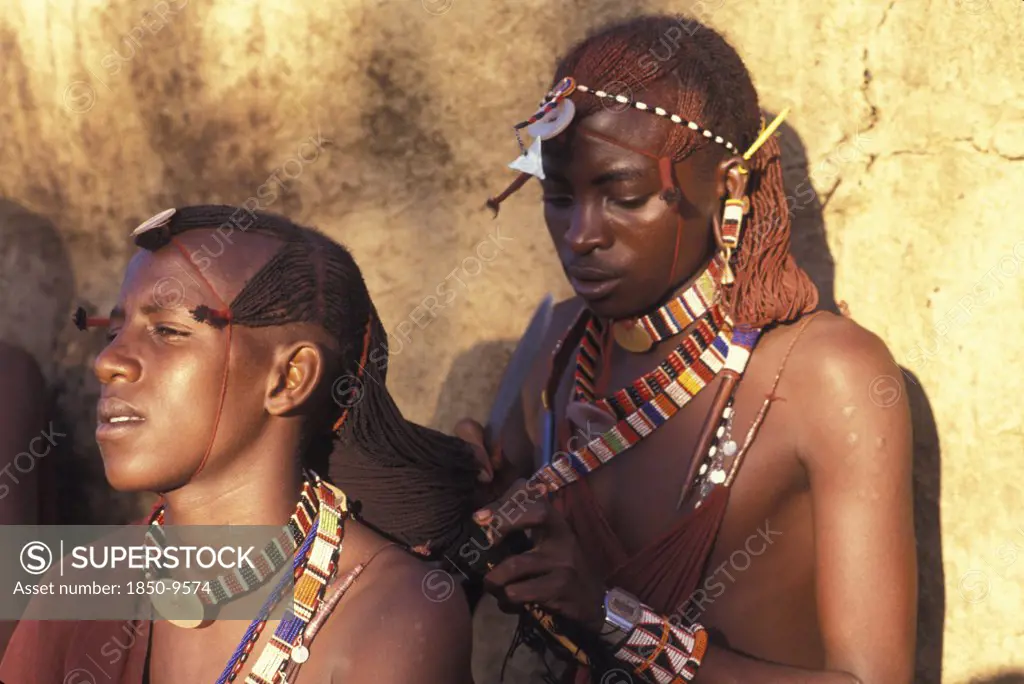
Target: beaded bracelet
{"points": [[661, 652]]}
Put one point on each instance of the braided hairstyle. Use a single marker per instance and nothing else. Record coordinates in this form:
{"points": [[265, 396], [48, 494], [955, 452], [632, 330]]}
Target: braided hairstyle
{"points": [[410, 483], [711, 86]]}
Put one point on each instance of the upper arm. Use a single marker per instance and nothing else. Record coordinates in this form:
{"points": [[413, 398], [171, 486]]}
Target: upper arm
{"points": [[22, 406], [521, 437], [410, 637], [855, 441]]}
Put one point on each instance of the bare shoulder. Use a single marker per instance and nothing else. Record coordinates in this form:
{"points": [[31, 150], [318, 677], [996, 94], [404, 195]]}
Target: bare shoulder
{"points": [[409, 621], [562, 316], [830, 354], [846, 392]]}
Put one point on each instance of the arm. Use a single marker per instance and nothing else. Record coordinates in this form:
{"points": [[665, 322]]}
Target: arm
{"points": [[854, 440], [401, 635], [513, 454]]}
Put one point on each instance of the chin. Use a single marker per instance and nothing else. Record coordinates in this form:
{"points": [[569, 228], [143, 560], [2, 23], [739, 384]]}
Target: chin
{"points": [[136, 474], [614, 308]]}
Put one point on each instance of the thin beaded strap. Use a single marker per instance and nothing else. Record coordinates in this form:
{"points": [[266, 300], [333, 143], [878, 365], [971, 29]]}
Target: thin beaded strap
{"points": [[331, 601], [252, 634], [310, 588]]}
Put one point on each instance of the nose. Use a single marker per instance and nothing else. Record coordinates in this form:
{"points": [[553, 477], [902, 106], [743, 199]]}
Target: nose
{"points": [[588, 230], [116, 363]]}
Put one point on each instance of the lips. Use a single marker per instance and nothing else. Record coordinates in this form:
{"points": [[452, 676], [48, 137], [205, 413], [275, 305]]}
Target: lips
{"points": [[591, 282], [116, 417]]}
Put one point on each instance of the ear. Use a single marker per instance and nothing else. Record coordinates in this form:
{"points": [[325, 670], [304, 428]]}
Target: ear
{"points": [[294, 377], [731, 178]]}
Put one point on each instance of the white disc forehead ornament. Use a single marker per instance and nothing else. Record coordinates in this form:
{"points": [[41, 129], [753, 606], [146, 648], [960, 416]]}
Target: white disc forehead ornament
{"points": [[554, 121], [154, 222]]}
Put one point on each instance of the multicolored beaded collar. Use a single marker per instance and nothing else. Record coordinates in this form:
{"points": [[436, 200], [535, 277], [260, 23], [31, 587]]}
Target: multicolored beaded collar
{"points": [[729, 350], [201, 606], [318, 524], [641, 334], [631, 398]]}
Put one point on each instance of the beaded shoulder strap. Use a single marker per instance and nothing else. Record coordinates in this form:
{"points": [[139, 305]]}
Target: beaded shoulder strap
{"points": [[309, 590], [565, 467]]}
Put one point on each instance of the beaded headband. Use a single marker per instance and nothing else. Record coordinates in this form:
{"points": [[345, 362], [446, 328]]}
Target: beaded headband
{"points": [[557, 111]]}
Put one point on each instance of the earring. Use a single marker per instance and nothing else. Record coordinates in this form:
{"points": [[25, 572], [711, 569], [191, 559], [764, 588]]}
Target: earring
{"points": [[730, 226], [728, 235]]}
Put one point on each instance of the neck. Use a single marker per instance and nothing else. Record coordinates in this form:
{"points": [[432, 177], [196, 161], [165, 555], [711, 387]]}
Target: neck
{"points": [[680, 288], [252, 491]]}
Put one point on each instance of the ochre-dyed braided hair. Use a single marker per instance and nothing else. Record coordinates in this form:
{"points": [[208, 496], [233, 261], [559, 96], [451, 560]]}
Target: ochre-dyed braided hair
{"points": [[712, 86], [411, 483]]}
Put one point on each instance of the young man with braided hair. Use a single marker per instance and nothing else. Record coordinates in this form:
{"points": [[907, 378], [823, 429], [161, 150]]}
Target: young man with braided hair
{"points": [[217, 395], [760, 527]]}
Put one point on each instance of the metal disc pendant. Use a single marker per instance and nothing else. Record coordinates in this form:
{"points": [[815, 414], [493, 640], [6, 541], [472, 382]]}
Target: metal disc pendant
{"points": [[188, 610], [717, 477], [632, 337], [300, 654]]}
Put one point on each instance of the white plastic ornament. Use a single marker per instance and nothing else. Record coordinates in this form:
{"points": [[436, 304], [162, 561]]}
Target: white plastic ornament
{"points": [[554, 122]]}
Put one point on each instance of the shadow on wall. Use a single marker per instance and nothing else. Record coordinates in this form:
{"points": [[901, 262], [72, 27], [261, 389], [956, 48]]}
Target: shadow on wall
{"points": [[1016, 677], [39, 298], [810, 249]]}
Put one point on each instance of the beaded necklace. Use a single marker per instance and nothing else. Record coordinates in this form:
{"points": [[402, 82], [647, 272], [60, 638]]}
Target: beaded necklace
{"points": [[201, 606], [629, 399], [287, 641], [255, 629], [649, 402], [730, 348], [640, 334]]}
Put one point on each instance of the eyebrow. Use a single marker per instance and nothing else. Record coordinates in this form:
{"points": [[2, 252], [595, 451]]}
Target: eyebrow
{"points": [[614, 176], [145, 309]]}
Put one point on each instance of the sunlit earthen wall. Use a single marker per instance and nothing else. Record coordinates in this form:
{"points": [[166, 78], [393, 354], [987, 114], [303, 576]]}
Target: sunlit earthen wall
{"points": [[386, 123]]}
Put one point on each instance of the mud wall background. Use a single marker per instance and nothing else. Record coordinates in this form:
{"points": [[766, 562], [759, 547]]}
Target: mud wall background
{"points": [[387, 122]]}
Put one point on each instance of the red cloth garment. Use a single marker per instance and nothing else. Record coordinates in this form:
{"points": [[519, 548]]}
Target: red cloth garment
{"points": [[665, 573], [82, 652]]}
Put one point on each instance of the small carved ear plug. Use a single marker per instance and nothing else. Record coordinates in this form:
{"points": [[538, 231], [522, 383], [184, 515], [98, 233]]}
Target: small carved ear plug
{"points": [[82, 321]]}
